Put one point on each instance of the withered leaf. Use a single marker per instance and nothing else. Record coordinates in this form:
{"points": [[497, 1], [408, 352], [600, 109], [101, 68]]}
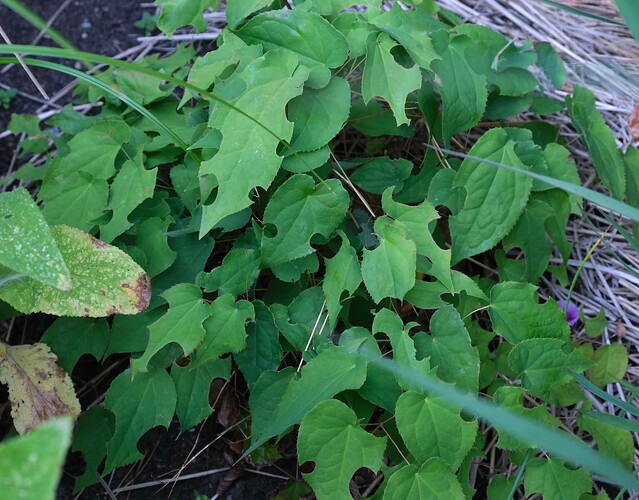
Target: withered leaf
{"points": [[39, 389]]}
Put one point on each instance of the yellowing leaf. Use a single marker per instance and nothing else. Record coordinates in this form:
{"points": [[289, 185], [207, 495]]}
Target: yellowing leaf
{"points": [[39, 389], [105, 281]]}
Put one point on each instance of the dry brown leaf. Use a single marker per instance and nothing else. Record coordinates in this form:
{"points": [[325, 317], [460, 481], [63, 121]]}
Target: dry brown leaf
{"points": [[39, 389], [633, 123]]}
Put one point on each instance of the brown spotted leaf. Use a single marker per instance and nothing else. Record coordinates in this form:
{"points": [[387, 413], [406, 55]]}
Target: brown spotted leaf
{"points": [[39, 389], [105, 281]]}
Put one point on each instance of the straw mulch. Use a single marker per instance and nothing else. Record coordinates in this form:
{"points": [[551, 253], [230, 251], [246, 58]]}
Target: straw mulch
{"points": [[605, 58]]}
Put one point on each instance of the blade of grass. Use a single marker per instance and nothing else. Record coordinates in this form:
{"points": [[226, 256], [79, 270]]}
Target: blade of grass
{"points": [[520, 475], [621, 422], [620, 403], [581, 266], [630, 12], [580, 12], [96, 58], [123, 97], [32, 18], [583, 192]]}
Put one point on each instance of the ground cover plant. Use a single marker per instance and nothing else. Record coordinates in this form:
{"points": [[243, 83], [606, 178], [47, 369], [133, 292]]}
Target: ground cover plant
{"points": [[301, 213]]}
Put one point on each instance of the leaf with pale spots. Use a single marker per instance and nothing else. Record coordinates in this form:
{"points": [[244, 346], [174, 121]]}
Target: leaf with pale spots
{"points": [[105, 281], [43, 449], [26, 243]]}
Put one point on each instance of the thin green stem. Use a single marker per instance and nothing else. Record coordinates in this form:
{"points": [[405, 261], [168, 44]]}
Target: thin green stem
{"points": [[520, 475]]}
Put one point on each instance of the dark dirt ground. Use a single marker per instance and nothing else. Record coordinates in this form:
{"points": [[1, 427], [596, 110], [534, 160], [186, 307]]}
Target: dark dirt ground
{"points": [[106, 27]]}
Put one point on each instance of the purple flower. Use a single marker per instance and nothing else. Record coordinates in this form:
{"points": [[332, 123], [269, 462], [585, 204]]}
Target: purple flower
{"points": [[572, 311]]}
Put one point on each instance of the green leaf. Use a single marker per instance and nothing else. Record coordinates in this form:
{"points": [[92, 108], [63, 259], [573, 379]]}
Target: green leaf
{"points": [[191, 257], [151, 238], [271, 82], [238, 272], [192, 386], [517, 316], [138, 404], [595, 326], [92, 151], [181, 324], [463, 91], [384, 77], [544, 363], [44, 448], [355, 30], [94, 428], [450, 350], [379, 388], [342, 274], [499, 60], [293, 270], [432, 428], [238, 10], [628, 10], [529, 234], [132, 185], [38, 389], [553, 479], [495, 198], [281, 399], [512, 398], [551, 64], [319, 46], [105, 281], [319, 115], [225, 328], [330, 436], [373, 120], [263, 351], [71, 338], [26, 243], [74, 188], [178, 13], [389, 269], [418, 220], [403, 346], [599, 140], [380, 173], [500, 486], [611, 440], [433, 480], [410, 30], [82, 202], [298, 163], [610, 363], [300, 209]]}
